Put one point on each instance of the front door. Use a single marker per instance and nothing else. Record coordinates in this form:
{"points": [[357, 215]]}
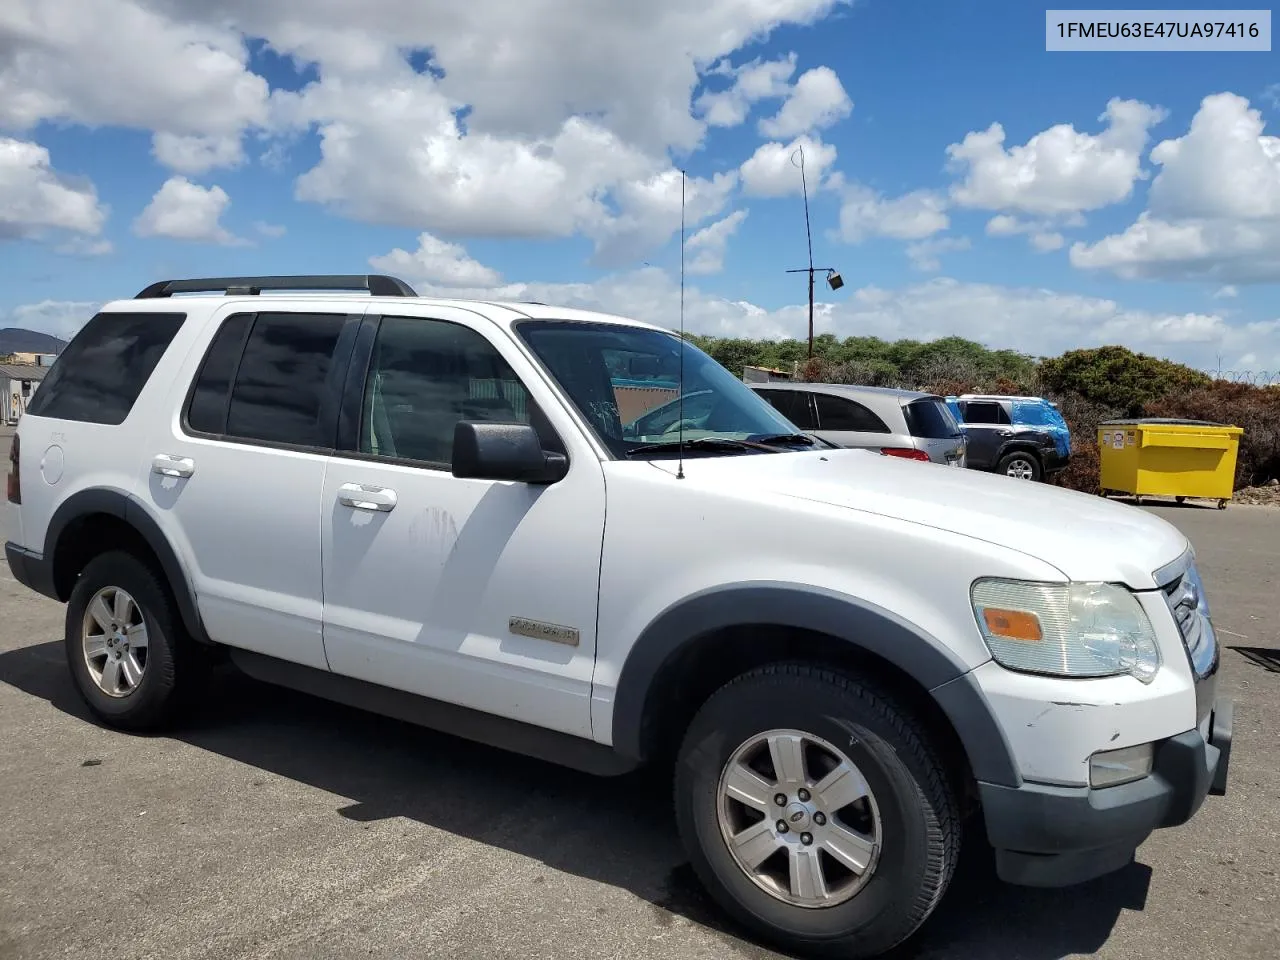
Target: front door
{"points": [[474, 592]]}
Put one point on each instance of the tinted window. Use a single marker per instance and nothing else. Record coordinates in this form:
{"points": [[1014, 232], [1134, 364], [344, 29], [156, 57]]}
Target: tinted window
{"points": [[207, 411], [841, 413], [283, 379], [984, 411], [425, 376], [98, 377], [930, 420], [792, 404]]}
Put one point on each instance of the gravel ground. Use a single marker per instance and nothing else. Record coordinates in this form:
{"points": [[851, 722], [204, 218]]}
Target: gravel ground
{"points": [[277, 826]]}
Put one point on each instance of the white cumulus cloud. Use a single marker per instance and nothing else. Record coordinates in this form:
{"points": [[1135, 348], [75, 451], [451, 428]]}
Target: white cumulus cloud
{"points": [[129, 64], [708, 245], [34, 198], [770, 172], [912, 216], [818, 100], [752, 82], [182, 210], [1213, 211], [436, 263], [1060, 171]]}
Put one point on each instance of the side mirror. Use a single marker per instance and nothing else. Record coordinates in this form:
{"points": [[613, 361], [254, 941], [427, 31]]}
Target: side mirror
{"points": [[484, 450]]}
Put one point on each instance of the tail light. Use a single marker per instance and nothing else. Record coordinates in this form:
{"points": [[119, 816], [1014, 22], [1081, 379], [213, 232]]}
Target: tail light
{"points": [[15, 480], [905, 453]]}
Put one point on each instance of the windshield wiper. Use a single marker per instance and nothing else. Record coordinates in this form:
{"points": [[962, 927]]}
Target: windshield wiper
{"points": [[703, 443], [775, 439]]}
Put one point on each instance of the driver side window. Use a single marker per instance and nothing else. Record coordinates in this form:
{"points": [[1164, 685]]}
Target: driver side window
{"points": [[425, 376]]}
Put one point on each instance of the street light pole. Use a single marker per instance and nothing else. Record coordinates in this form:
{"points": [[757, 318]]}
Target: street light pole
{"points": [[833, 278]]}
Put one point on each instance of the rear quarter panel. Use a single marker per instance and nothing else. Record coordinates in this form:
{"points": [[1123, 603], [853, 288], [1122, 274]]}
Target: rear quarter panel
{"points": [[60, 458]]}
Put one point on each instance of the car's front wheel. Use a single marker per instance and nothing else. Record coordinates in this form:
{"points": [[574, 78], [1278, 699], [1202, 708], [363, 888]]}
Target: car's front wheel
{"points": [[816, 811]]}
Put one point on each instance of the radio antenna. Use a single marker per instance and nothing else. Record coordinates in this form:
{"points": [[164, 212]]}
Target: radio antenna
{"points": [[680, 378]]}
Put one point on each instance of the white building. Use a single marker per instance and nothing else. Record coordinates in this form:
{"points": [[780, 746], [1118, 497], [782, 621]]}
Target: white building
{"points": [[20, 381]]}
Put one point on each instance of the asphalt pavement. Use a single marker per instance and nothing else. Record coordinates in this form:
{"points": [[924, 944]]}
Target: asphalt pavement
{"points": [[278, 826]]}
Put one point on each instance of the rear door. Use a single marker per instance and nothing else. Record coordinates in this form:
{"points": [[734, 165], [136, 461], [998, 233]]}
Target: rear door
{"points": [[847, 423], [234, 476], [987, 425], [935, 430]]}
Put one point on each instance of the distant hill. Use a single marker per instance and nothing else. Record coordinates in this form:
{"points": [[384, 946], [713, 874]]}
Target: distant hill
{"points": [[17, 340]]}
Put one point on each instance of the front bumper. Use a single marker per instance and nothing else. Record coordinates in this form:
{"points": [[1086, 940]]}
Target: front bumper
{"points": [[1047, 836]]}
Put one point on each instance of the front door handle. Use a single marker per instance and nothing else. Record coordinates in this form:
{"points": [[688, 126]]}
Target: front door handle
{"points": [[362, 496], [167, 465]]}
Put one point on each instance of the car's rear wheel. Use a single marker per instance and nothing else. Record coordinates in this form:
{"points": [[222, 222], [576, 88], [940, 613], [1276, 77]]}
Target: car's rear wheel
{"points": [[125, 645], [1020, 466], [816, 811]]}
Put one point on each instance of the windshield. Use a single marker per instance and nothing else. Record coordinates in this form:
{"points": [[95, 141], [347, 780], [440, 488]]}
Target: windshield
{"points": [[625, 381]]}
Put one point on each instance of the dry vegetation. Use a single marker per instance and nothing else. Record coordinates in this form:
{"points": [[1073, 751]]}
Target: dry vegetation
{"points": [[1089, 386]]}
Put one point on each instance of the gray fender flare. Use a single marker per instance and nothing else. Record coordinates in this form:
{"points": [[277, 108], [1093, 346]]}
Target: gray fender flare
{"points": [[867, 626], [119, 504]]}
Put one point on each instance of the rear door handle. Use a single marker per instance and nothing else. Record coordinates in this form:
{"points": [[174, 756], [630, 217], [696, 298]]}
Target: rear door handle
{"points": [[361, 496], [167, 465]]}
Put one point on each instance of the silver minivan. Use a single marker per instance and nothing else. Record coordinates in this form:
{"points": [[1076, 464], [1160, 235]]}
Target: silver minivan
{"points": [[897, 423]]}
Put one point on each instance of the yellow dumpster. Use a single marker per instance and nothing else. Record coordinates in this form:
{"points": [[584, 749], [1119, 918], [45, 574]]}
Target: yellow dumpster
{"points": [[1168, 458]]}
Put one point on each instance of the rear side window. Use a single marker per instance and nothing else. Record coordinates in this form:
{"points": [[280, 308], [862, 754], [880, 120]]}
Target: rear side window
{"points": [[841, 413], [268, 377], [98, 377], [985, 411], [207, 411], [930, 420]]}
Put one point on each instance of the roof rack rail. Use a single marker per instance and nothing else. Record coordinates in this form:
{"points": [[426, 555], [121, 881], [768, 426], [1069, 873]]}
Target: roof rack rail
{"points": [[377, 285]]}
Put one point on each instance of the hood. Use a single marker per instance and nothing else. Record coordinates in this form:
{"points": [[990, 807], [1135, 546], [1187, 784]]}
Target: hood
{"points": [[1084, 536]]}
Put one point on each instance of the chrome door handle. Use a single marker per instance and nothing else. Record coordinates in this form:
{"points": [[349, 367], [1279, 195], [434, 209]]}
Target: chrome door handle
{"points": [[167, 465], [361, 496]]}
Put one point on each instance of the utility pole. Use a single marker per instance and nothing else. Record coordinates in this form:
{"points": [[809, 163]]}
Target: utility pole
{"points": [[833, 278]]}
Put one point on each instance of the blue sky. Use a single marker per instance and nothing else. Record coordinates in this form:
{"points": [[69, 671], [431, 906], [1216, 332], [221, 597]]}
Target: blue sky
{"points": [[530, 150]]}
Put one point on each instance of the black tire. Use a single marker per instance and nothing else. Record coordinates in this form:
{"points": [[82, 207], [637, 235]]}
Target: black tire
{"points": [[1020, 456], [171, 668], [918, 810]]}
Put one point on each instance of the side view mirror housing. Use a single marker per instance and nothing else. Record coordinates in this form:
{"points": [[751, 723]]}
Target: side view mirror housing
{"points": [[485, 450]]}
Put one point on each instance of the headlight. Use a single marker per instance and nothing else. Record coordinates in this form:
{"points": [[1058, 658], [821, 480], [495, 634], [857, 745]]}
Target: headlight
{"points": [[1066, 629]]}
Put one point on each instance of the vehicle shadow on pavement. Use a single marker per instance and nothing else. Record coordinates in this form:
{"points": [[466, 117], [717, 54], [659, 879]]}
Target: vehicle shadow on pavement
{"points": [[616, 831], [1268, 658]]}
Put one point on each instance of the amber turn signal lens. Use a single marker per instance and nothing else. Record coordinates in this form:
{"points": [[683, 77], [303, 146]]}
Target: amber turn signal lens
{"points": [[1012, 624]]}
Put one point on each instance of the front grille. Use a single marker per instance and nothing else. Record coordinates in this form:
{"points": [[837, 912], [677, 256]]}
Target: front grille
{"points": [[1185, 596]]}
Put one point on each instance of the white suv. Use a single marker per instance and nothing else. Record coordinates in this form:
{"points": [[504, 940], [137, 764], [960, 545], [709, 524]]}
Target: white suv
{"points": [[443, 511]]}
